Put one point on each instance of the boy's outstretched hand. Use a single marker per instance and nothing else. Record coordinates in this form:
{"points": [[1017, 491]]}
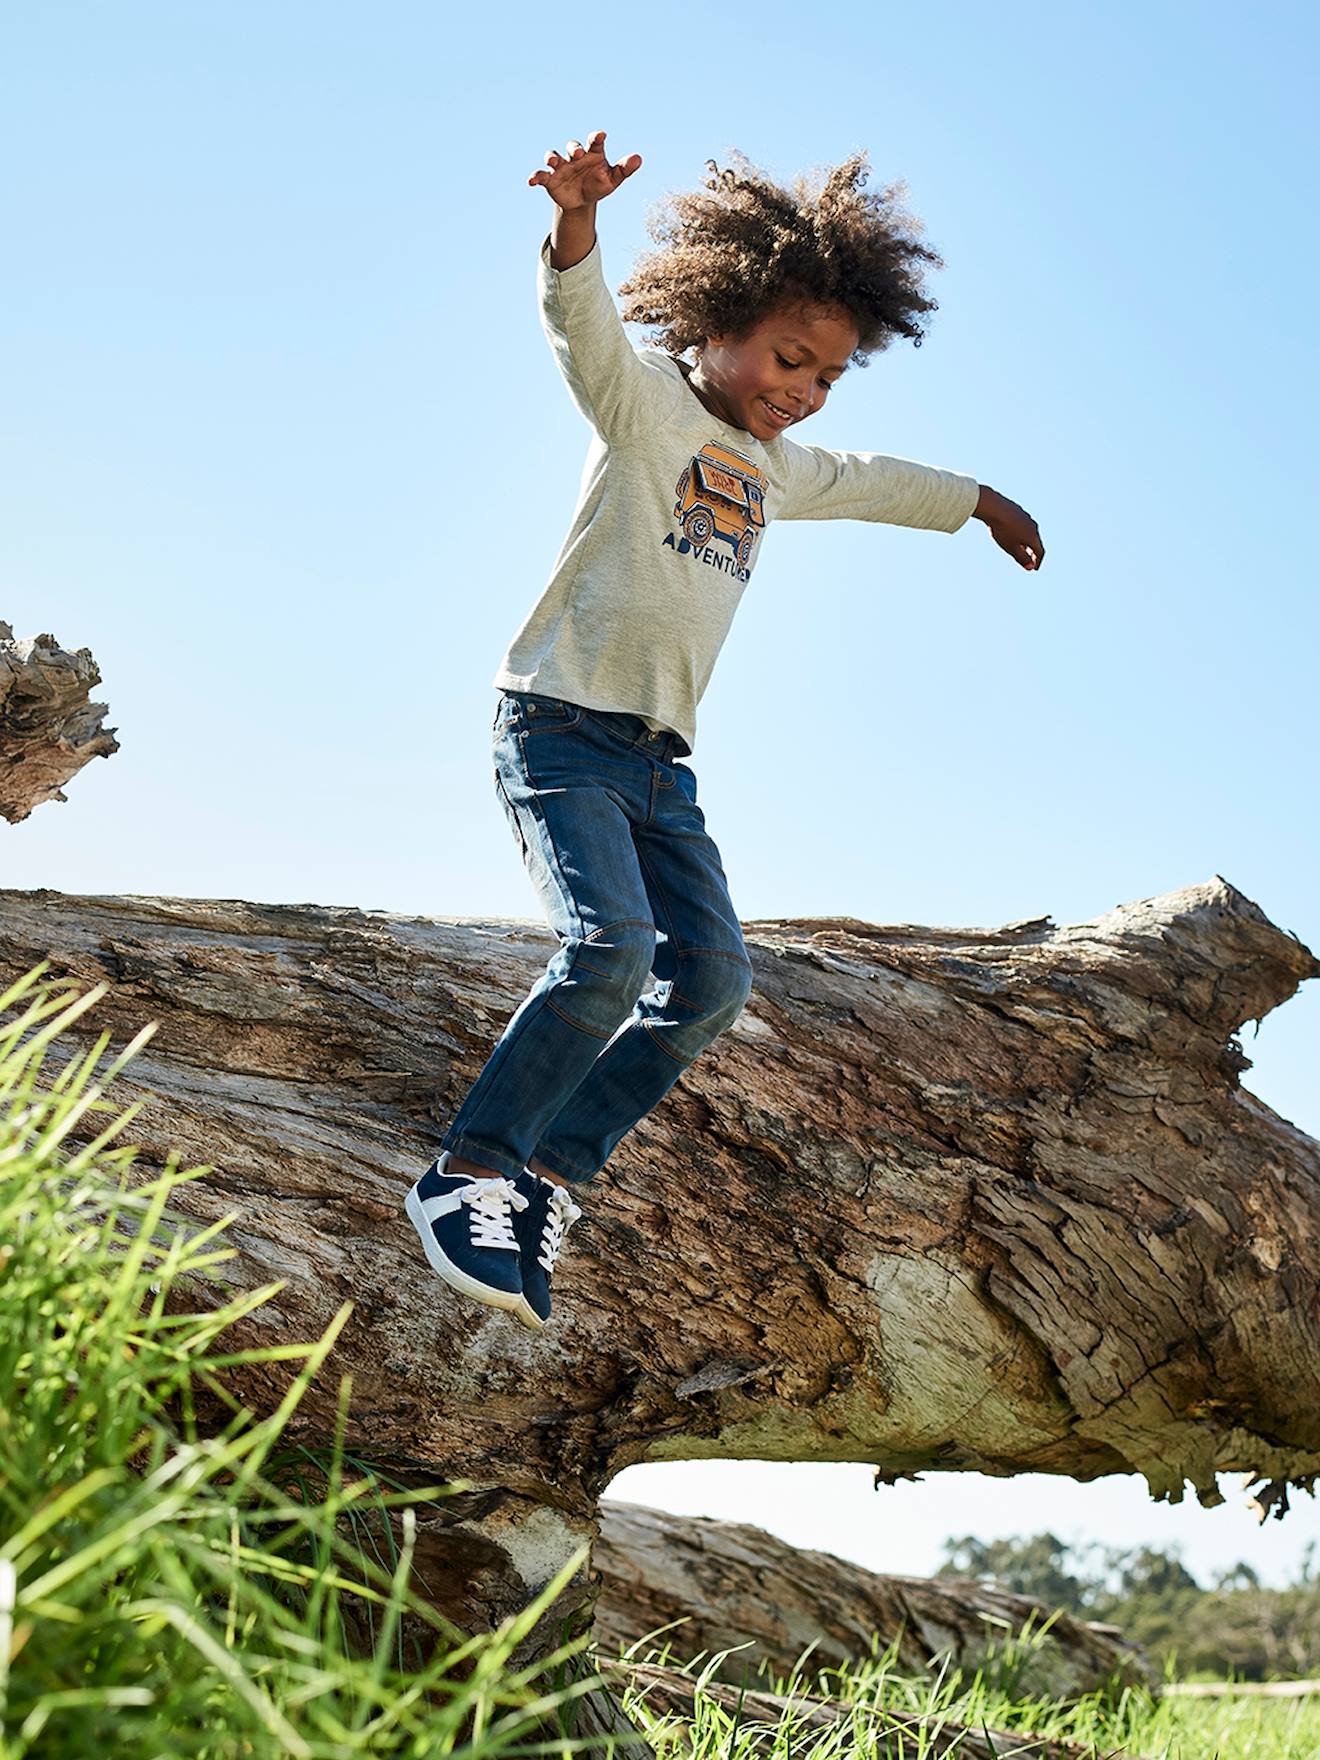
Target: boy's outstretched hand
{"points": [[1011, 527], [585, 176]]}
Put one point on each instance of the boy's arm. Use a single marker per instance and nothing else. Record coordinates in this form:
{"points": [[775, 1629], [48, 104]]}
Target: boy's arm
{"points": [[901, 492], [619, 393], [572, 235], [872, 485]]}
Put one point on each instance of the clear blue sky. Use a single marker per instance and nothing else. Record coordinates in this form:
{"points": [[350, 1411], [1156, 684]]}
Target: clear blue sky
{"points": [[286, 449]]}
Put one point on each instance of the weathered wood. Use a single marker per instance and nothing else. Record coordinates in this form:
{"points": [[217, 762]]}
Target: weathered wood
{"points": [[733, 1584], [48, 728], [941, 1200], [666, 1692]]}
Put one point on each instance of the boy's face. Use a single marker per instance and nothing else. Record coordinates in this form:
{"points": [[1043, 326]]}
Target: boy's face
{"points": [[786, 363]]}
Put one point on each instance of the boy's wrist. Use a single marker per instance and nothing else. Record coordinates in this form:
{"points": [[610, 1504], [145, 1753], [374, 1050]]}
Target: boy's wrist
{"points": [[572, 235], [985, 501]]}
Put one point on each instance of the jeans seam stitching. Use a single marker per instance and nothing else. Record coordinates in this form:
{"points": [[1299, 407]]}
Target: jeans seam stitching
{"points": [[618, 923], [659, 893], [646, 1026], [513, 817], [534, 806], [572, 1023]]}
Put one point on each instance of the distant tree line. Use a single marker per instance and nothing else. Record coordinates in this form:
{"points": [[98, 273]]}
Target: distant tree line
{"points": [[1234, 1626]]}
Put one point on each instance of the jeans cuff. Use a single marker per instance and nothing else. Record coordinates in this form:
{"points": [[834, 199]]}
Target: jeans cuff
{"points": [[473, 1149], [571, 1174]]}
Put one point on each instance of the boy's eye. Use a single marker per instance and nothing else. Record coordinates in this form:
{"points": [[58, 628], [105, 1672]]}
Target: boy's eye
{"points": [[783, 363]]}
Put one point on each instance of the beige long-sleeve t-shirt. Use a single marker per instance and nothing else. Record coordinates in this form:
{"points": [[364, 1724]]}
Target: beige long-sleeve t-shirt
{"points": [[671, 516]]}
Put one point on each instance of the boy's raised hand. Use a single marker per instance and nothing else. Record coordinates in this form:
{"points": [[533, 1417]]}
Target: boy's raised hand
{"points": [[585, 176]]}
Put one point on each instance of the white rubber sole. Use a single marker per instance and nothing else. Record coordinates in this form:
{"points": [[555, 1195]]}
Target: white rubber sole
{"points": [[528, 1315], [510, 1300]]}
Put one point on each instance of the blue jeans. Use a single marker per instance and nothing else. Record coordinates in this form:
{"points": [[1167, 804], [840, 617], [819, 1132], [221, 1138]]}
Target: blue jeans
{"points": [[618, 851]]}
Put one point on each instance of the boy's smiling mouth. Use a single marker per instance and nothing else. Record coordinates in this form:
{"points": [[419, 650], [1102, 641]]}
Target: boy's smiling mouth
{"points": [[781, 417]]}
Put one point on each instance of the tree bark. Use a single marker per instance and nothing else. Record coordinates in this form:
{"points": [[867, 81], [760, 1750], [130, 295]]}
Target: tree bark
{"points": [[733, 1584], [941, 1200], [48, 728]]}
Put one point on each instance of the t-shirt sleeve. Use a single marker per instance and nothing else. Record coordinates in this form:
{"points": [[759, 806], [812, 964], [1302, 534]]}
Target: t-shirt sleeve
{"points": [[619, 393], [872, 485]]}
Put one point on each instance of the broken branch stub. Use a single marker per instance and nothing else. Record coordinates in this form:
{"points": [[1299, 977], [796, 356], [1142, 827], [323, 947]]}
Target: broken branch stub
{"points": [[48, 727]]}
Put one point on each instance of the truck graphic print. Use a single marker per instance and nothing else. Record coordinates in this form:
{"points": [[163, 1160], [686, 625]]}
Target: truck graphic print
{"points": [[721, 495]]}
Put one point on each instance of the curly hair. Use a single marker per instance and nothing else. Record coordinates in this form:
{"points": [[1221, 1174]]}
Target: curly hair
{"points": [[749, 247]]}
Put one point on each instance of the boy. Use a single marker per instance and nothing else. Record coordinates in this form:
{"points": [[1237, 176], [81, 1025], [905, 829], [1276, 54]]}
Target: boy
{"points": [[777, 295]]}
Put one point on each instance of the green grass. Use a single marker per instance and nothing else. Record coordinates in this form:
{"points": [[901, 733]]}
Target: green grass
{"points": [[165, 1592], [1130, 1720]]}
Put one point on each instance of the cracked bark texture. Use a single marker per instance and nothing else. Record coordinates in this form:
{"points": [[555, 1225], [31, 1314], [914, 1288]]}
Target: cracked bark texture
{"points": [[48, 727], [942, 1200], [734, 1584]]}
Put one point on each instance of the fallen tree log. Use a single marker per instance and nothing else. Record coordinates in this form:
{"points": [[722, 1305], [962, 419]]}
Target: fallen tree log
{"points": [[941, 1200], [733, 1584], [48, 727]]}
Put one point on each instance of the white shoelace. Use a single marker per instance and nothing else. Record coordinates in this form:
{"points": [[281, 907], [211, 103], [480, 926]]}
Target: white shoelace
{"points": [[491, 1223], [559, 1218]]}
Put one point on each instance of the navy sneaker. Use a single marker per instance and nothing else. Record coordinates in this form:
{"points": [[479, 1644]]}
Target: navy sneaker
{"points": [[541, 1228], [464, 1224]]}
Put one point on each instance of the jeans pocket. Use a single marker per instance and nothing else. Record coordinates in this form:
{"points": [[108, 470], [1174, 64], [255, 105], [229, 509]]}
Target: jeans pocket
{"points": [[546, 713]]}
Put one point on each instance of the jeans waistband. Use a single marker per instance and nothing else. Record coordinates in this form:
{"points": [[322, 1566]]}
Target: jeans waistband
{"points": [[665, 745]]}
